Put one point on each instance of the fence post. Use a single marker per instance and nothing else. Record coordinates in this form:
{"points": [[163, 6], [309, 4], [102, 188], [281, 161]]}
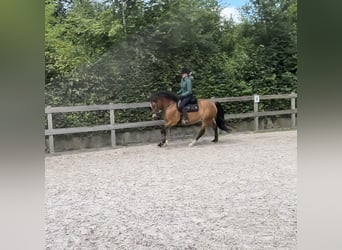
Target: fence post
{"points": [[112, 122], [293, 107], [50, 127], [256, 118]]}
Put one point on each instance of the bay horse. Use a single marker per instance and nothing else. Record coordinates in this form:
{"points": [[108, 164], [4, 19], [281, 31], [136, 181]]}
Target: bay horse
{"points": [[209, 113]]}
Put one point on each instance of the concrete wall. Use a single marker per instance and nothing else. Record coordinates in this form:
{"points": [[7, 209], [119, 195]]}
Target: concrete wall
{"points": [[78, 141]]}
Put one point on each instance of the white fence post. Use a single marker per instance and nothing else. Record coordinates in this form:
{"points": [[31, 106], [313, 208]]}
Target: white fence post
{"points": [[112, 122], [256, 118], [293, 107], [50, 127]]}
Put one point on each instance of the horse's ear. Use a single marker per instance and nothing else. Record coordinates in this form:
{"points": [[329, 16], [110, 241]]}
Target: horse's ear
{"points": [[152, 96]]}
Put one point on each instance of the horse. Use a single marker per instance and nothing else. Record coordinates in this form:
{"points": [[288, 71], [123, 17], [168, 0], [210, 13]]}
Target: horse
{"points": [[209, 113]]}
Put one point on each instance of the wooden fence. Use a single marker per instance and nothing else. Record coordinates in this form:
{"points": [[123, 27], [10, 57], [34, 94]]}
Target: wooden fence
{"points": [[122, 106]]}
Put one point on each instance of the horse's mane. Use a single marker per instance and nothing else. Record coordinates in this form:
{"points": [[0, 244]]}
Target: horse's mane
{"points": [[165, 94]]}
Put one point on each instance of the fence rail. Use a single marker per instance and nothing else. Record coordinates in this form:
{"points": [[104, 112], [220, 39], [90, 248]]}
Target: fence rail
{"points": [[49, 111]]}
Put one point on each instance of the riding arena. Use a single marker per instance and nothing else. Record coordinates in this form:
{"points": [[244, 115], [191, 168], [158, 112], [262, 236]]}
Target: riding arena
{"points": [[237, 193]]}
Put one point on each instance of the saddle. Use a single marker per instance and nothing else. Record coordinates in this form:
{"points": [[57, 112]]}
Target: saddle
{"points": [[192, 106]]}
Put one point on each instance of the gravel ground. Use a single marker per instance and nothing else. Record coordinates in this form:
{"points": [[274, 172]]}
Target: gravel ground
{"points": [[237, 194]]}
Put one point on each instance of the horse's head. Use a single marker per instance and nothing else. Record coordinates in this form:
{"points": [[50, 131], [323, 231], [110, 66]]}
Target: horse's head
{"points": [[160, 101], [155, 108]]}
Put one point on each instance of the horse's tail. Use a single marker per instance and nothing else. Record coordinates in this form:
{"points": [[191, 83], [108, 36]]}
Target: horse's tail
{"points": [[221, 123]]}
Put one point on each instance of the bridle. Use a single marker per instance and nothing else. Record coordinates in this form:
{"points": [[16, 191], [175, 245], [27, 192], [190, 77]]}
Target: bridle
{"points": [[158, 110]]}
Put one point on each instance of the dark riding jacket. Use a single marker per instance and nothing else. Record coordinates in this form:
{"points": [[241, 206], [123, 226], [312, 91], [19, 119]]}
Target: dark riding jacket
{"points": [[186, 87]]}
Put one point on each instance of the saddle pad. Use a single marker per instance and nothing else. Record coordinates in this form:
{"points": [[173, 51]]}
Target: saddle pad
{"points": [[191, 107]]}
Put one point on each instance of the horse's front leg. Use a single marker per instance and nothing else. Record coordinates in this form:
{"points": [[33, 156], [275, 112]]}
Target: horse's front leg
{"points": [[164, 131], [163, 136]]}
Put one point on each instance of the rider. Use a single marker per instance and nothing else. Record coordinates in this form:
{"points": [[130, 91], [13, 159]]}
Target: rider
{"points": [[185, 93]]}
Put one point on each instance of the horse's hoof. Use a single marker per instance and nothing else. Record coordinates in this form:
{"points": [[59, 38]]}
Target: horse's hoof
{"points": [[160, 144], [214, 141], [192, 144]]}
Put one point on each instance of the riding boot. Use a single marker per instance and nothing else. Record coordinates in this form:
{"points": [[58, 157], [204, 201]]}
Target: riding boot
{"points": [[185, 120]]}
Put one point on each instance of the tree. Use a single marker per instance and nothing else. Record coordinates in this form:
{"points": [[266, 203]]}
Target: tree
{"points": [[122, 50], [271, 24]]}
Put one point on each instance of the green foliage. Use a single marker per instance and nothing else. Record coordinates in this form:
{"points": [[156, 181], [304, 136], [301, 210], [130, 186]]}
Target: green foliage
{"points": [[122, 51]]}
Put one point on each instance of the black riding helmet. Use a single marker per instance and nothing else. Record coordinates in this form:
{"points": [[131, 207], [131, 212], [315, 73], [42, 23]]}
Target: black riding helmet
{"points": [[185, 70]]}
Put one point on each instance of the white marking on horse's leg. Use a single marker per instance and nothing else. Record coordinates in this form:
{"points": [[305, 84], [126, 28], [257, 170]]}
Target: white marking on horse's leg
{"points": [[192, 143]]}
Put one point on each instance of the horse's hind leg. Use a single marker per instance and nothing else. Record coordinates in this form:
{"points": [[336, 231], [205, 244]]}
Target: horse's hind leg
{"points": [[214, 126], [201, 132]]}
